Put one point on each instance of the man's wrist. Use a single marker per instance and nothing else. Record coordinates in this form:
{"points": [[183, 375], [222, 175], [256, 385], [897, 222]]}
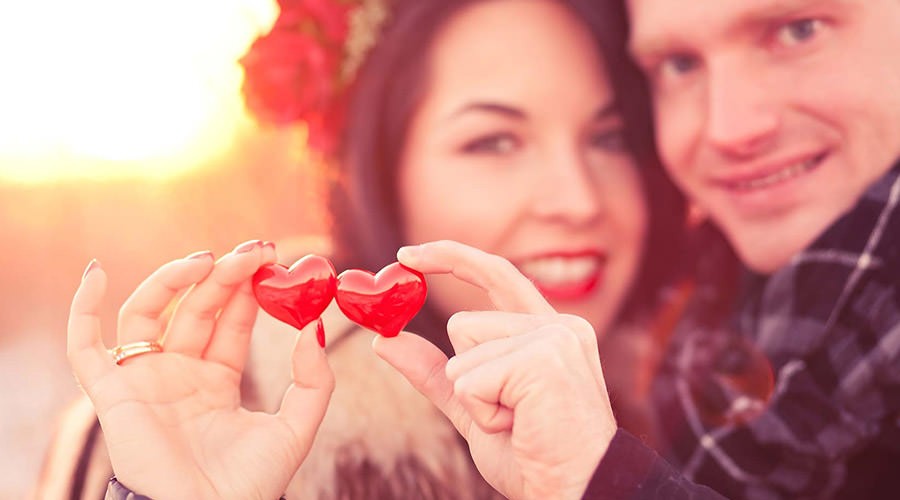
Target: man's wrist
{"points": [[594, 456], [622, 468]]}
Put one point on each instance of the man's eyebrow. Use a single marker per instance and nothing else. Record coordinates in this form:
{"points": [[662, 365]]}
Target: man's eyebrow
{"points": [[760, 14], [642, 49], [489, 107], [777, 10]]}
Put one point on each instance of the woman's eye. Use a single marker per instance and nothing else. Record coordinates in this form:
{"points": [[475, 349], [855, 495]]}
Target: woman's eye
{"points": [[609, 140], [495, 144], [798, 32], [676, 65]]}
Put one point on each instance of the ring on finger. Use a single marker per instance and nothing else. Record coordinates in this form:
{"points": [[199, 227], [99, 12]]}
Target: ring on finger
{"points": [[122, 352]]}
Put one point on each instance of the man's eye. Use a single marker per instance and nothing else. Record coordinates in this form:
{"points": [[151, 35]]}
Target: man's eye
{"points": [[798, 32], [495, 144]]}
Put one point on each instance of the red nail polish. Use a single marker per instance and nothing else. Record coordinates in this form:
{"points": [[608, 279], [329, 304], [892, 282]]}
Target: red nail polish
{"points": [[93, 264], [320, 333], [200, 255], [247, 246]]}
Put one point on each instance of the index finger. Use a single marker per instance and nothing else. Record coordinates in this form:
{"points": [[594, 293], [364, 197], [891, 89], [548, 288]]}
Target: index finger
{"points": [[468, 329], [507, 288]]}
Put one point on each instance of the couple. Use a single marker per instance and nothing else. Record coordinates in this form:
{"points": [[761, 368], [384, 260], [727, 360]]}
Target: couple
{"points": [[515, 126]]}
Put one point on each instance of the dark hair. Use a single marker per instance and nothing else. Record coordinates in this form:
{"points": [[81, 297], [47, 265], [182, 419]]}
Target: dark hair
{"points": [[665, 243], [364, 200]]}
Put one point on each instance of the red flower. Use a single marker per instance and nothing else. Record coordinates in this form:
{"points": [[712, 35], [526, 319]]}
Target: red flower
{"points": [[293, 73], [325, 128], [287, 76]]}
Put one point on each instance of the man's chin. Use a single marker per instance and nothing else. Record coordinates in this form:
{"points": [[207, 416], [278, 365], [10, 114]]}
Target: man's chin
{"points": [[766, 246], [768, 251], [764, 260]]}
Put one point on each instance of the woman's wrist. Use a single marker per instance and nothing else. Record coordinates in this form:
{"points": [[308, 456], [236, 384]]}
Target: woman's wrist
{"points": [[118, 491]]}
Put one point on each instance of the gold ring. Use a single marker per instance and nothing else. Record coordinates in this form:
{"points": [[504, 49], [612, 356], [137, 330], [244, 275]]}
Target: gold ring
{"points": [[122, 352]]}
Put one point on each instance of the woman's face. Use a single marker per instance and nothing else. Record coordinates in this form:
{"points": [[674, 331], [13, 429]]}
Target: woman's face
{"points": [[517, 149]]}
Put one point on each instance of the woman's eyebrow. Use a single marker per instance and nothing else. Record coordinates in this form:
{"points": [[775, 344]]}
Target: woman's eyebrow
{"points": [[490, 107], [608, 110]]}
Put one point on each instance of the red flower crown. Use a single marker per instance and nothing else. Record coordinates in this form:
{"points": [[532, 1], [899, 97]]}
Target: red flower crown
{"points": [[299, 72]]}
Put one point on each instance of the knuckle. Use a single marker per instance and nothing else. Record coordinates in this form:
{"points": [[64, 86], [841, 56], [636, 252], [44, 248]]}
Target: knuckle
{"points": [[557, 343], [567, 339], [433, 378], [581, 327], [444, 244], [462, 387], [439, 248], [500, 270], [504, 266], [576, 323], [328, 385]]}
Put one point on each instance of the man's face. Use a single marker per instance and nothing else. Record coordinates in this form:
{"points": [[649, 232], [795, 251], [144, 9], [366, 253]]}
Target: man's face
{"points": [[773, 115]]}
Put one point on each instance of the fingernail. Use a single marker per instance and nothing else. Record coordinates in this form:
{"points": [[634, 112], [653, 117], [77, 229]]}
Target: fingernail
{"points": [[93, 264], [450, 369], [409, 254], [269, 244], [320, 333], [247, 246], [200, 255]]}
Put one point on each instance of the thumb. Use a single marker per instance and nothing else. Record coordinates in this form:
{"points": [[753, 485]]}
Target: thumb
{"points": [[88, 356], [423, 365], [306, 400]]}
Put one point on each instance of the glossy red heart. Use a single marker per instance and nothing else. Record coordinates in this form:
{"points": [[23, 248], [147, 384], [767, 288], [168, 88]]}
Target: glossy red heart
{"points": [[297, 295], [384, 302]]}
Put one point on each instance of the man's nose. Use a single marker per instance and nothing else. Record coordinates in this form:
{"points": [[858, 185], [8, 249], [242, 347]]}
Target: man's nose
{"points": [[742, 119]]}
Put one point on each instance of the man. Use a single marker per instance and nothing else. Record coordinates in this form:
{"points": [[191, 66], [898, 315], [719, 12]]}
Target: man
{"points": [[781, 119]]}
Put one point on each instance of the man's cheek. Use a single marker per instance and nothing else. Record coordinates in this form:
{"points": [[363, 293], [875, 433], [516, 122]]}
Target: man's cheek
{"points": [[674, 150], [677, 131]]}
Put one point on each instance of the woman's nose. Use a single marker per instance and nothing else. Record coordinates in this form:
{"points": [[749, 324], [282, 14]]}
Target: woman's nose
{"points": [[566, 191]]}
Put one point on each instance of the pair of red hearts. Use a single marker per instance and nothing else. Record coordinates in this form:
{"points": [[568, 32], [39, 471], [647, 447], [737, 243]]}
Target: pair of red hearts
{"points": [[383, 302]]}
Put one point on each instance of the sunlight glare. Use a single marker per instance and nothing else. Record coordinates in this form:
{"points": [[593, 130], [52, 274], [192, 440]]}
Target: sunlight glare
{"points": [[106, 88]]}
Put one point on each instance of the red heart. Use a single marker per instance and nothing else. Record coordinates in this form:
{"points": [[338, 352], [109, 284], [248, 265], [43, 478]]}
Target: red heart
{"points": [[297, 295], [384, 302]]}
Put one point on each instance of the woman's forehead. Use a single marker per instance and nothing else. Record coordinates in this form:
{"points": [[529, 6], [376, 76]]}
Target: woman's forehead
{"points": [[512, 52]]}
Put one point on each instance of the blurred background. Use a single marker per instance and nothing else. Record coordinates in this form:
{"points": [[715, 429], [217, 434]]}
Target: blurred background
{"points": [[123, 137]]}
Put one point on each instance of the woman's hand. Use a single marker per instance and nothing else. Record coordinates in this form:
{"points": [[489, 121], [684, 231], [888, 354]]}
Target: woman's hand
{"points": [[525, 387], [173, 420]]}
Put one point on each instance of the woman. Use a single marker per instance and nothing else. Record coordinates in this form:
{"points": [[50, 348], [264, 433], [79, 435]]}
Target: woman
{"points": [[494, 123]]}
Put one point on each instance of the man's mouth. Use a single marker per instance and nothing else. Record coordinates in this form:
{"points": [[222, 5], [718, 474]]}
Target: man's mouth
{"points": [[781, 175]]}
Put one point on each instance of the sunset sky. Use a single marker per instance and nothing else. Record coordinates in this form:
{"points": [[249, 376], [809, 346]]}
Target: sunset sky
{"points": [[112, 88]]}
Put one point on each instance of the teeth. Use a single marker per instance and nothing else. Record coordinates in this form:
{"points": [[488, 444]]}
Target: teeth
{"points": [[779, 176], [559, 270]]}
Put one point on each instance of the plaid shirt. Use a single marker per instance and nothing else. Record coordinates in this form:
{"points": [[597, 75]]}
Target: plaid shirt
{"points": [[801, 398]]}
